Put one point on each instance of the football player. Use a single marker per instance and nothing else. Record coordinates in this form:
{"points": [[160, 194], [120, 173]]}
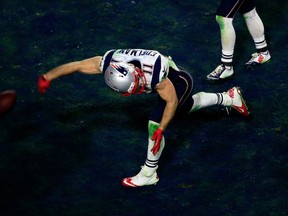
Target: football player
{"points": [[137, 71]]}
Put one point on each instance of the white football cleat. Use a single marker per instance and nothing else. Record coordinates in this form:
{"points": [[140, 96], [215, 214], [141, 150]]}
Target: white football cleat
{"points": [[221, 72], [258, 59], [236, 101], [146, 176]]}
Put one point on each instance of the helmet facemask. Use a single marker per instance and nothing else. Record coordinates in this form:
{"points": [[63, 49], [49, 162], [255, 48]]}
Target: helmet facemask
{"points": [[139, 83]]}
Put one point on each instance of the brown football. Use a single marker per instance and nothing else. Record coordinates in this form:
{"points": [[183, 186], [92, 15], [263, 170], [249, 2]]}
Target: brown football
{"points": [[7, 101]]}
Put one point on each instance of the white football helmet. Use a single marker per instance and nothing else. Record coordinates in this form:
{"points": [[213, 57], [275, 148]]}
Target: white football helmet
{"points": [[125, 78]]}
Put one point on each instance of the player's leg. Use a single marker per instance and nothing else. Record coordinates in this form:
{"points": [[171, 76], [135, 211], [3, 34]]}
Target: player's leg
{"points": [[224, 17], [256, 29], [228, 38], [148, 174], [232, 98]]}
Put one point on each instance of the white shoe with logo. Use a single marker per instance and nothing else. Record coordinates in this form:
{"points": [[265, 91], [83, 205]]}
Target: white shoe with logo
{"points": [[236, 101], [221, 72], [146, 176], [258, 59]]}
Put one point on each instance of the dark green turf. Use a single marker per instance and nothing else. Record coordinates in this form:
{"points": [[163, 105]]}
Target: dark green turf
{"points": [[65, 153]]}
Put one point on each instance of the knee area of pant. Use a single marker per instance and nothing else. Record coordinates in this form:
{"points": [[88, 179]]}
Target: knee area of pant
{"points": [[152, 127], [250, 14], [223, 21], [197, 104], [198, 96]]}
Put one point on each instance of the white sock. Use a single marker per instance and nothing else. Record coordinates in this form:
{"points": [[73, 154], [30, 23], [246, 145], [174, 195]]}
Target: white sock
{"points": [[224, 99], [152, 160], [203, 99], [256, 28], [228, 38]]}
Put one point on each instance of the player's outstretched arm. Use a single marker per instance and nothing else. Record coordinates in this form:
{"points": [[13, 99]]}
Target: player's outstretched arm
{"points": [[86, 66]]}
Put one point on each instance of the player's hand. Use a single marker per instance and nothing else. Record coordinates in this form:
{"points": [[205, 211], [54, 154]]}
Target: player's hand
{"points": [[157, 137], [43, 84]]}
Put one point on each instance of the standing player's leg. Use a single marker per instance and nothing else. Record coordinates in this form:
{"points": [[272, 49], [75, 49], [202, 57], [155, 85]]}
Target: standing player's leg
{"points": [[224, 17], [256, 29]]}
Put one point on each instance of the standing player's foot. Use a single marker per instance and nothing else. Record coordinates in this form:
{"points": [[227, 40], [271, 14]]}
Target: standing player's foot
{"points": [[221, 72], [258, 59]]}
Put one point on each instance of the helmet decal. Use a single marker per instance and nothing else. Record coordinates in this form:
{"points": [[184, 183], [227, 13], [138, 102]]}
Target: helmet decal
{"points": [[120, 69]]}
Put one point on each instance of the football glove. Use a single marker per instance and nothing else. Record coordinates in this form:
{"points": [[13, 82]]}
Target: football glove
{"points": [[157, 137], [43, 84]]}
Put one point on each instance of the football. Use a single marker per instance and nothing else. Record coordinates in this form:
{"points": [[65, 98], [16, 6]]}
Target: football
{"points": [[7, 101]]}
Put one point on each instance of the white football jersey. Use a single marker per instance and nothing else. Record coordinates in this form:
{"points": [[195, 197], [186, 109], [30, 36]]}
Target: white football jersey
{"points": [[154, 65]]}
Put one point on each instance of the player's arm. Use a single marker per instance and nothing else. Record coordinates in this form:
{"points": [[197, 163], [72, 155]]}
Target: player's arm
{"points": [[167, 92], [86, 66]]}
